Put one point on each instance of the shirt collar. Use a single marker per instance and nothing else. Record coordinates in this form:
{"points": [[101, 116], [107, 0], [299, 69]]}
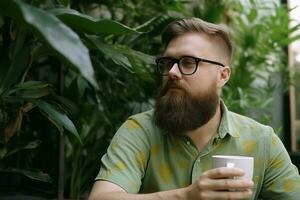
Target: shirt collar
{"points": [[226, 126]]}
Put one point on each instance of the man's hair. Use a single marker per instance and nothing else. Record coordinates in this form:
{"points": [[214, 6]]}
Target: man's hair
{"points": [[187, 25]]}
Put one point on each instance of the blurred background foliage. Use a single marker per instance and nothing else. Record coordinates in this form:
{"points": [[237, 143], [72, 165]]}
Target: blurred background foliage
{"points": [[73, 71]]}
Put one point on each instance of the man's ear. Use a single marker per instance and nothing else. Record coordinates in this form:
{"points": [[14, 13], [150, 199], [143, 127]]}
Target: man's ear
{"points": [[224, 75]]}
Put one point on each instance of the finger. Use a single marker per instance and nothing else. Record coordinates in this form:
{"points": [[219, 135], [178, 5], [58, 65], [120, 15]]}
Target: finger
{"points": [[225, 184], [228, 195], [223, 172]]}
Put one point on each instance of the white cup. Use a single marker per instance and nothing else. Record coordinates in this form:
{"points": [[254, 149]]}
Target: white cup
{"points": [[242, 162]]}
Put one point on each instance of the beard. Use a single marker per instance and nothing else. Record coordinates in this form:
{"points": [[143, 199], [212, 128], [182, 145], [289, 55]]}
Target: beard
{"points": [[177, 111]]}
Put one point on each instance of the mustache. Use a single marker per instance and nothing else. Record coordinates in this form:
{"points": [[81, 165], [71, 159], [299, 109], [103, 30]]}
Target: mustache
{"points": [[170, 84]]}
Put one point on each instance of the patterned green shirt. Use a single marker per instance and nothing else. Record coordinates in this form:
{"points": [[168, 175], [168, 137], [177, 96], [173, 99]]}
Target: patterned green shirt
{"points": [[143, 159]]}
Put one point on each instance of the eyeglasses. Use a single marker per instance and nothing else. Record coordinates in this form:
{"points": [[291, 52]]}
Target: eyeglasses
{"points": [[187, 65]]}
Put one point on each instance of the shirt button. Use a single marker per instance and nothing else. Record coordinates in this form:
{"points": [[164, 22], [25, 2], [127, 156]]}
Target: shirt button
{"points": [[188, 142]]}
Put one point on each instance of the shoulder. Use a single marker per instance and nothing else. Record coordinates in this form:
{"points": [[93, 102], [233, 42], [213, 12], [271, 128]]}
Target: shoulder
{"points": [[146, 116], [143, 120], [139, 125], [253, 136], [247, 126]]}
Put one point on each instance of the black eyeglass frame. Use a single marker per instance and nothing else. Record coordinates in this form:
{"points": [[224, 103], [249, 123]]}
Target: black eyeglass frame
{"points": [[175, 60]]}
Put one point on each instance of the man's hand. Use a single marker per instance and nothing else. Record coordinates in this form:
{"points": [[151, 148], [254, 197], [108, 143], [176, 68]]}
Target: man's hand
{"points": [[219, 184]]}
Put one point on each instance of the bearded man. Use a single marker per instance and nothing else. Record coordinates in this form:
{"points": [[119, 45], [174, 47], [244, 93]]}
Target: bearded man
{"points": [[166, 153]]}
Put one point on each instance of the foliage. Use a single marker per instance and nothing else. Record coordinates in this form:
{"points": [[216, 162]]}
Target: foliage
{"points": [[38, 47], [24, 43], [260, 67]]}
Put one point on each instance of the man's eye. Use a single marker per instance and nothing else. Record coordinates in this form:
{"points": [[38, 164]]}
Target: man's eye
{"points": [[166, 62], [188, 62]]}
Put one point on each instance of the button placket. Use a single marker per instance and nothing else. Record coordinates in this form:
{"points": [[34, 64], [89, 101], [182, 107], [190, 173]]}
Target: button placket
{"points": [[196, 172]]}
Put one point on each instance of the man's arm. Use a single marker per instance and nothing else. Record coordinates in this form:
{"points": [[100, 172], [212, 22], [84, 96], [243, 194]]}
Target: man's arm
{"points": [[104, 190], [213, 184], [281, 178]]}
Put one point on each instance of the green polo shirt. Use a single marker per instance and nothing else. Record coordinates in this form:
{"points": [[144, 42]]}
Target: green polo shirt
{"points": [[143, 159]]}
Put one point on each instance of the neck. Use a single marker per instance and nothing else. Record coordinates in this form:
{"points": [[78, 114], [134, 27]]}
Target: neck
{"points": [[203, 134]]}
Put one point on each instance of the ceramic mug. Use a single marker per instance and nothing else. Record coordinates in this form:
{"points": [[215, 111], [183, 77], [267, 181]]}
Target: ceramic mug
{"points": [[242, 162]]}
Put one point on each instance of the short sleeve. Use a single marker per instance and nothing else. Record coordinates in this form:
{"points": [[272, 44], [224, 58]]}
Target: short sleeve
{"points": [[281, 180], [126, 159]]}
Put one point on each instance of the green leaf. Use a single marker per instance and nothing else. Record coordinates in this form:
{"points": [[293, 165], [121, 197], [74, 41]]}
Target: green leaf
{"points": [[147, 25], [66, 104], [89, 25], [64, 42], [35, 93], [133, 54], [17, 67], [31, 90], [111, 52], [177, 6], [289, 40], [58, 117], [31, 145], [33, 174], [32, 85], [57, 125], [252, 15]]}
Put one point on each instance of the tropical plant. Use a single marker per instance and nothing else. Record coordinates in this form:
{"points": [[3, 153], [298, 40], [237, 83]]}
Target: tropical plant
{"points": [[25, 45], [260, 69], [42, 56]]}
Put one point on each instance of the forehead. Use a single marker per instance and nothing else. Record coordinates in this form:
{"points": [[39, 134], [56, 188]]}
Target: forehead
{"points": [[193, 44]]}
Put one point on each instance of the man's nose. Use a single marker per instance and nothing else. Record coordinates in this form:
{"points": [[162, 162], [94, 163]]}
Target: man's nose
{"points": [[174, 72]]}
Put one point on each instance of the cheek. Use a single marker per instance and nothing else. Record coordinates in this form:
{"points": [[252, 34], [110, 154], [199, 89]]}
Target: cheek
{"points": [[199, 81], [201, 85]]}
